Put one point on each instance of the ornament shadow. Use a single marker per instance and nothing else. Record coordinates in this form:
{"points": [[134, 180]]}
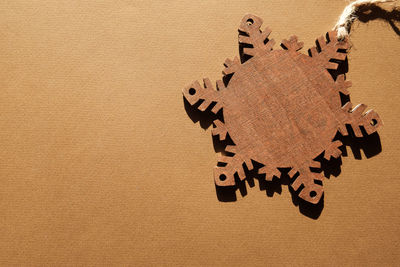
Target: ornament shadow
{"points": [[373, 12], [369, 144]]}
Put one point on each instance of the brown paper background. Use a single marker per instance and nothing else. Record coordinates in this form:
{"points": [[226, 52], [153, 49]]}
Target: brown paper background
{"points": [[100, 164]]}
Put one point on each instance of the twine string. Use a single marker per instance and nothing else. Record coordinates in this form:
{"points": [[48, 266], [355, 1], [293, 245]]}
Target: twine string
{"points": [[348, 16]]}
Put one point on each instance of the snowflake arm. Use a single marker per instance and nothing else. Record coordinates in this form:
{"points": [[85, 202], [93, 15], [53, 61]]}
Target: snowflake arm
{"points": [[208, 96], [270, 171], [254, 41], [328, 50], [231, 66], [342, 84], [292, 45], [333, 150], [228, 166], [308, 183], [230, 162], [355, 117]]}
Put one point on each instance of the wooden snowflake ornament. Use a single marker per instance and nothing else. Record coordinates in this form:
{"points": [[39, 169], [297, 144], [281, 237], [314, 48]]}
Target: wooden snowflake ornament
{"points": [[281, 108]]}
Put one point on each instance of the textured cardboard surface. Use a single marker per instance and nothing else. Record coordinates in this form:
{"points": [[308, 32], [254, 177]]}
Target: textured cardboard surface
{"points": [[100, 164]]}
